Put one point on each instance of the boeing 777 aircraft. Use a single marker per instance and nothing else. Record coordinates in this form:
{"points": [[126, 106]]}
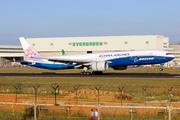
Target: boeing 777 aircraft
{"points": [[97, 62]]}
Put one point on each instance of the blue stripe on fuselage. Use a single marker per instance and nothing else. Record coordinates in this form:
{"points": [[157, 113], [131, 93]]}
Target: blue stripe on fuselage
{"points": [[139, 60], [52, 66]]}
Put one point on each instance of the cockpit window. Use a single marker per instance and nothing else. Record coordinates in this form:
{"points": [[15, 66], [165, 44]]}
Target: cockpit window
{"points": [[168, 53]]}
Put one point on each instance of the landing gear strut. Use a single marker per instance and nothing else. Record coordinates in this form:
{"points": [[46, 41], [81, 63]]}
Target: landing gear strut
{"points": [[161, 68], [85, 71]]}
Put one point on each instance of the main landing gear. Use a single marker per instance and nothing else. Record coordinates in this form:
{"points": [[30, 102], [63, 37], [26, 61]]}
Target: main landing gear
{"points": [[85, 72], [85, 69], [92, 73]]}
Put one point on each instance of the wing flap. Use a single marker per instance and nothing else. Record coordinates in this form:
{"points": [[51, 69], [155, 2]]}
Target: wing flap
{"points": [[78, 62]]}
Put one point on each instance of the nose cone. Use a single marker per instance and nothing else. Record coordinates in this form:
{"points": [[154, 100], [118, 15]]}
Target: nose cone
{"points": [[170, 57]]}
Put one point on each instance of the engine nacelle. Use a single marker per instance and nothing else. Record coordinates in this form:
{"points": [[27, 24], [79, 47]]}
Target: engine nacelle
{"points": [[99, 66], [119, 67]]}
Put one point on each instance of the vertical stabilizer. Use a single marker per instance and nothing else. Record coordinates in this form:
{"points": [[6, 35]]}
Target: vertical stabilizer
{"points": [[29, 51]]}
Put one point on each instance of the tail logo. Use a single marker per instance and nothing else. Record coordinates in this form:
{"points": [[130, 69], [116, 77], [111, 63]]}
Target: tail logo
{"points": [[30, 52]]}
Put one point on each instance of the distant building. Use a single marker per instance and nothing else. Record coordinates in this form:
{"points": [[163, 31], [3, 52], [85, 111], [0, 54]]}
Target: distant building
{"points": [[77, 45], [10, 53], [175, 46], [175, 50]]}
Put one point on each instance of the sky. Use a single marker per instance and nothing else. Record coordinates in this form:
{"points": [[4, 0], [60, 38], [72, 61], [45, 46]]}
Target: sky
{"points": [[80, 18]]}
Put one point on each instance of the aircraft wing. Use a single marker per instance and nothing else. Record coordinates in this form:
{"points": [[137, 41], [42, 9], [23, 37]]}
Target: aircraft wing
{"points": [[69, 61]]}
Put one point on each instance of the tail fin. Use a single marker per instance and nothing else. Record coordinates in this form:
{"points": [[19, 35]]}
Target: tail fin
{"points": [[29, 51]]}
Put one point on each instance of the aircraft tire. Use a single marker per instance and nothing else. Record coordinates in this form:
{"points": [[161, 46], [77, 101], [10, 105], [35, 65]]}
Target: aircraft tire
{"points": [[160, 69], [88, 73], [85, 73]]}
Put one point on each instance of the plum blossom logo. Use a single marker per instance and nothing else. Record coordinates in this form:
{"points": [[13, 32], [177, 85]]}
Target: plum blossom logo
{"points": [[30, 52]]}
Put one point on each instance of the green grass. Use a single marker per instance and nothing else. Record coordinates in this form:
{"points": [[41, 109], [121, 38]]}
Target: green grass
{"points": [[103, 81], [133, 86], [157, 89], [89, 80], [48, 114]]}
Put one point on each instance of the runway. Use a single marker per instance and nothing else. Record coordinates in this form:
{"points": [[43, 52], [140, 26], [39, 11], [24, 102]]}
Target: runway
{"points": [[106, 75]]}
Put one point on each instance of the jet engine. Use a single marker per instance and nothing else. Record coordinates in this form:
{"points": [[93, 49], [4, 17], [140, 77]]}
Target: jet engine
{"points": [[119, 67], [99, 66]]}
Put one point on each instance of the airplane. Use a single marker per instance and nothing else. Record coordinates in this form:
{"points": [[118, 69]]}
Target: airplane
{"points": [[97, 62]]}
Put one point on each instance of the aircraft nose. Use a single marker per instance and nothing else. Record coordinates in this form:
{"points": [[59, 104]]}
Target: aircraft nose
{"points": [[172, 57]]}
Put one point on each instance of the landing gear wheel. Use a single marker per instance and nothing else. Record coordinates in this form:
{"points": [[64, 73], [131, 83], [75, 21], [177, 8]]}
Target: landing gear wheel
{"points": [[85, 73], [160, 69]]}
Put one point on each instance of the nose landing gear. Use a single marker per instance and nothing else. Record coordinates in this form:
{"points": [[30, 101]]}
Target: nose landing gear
{"points": [[161, 68]]}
